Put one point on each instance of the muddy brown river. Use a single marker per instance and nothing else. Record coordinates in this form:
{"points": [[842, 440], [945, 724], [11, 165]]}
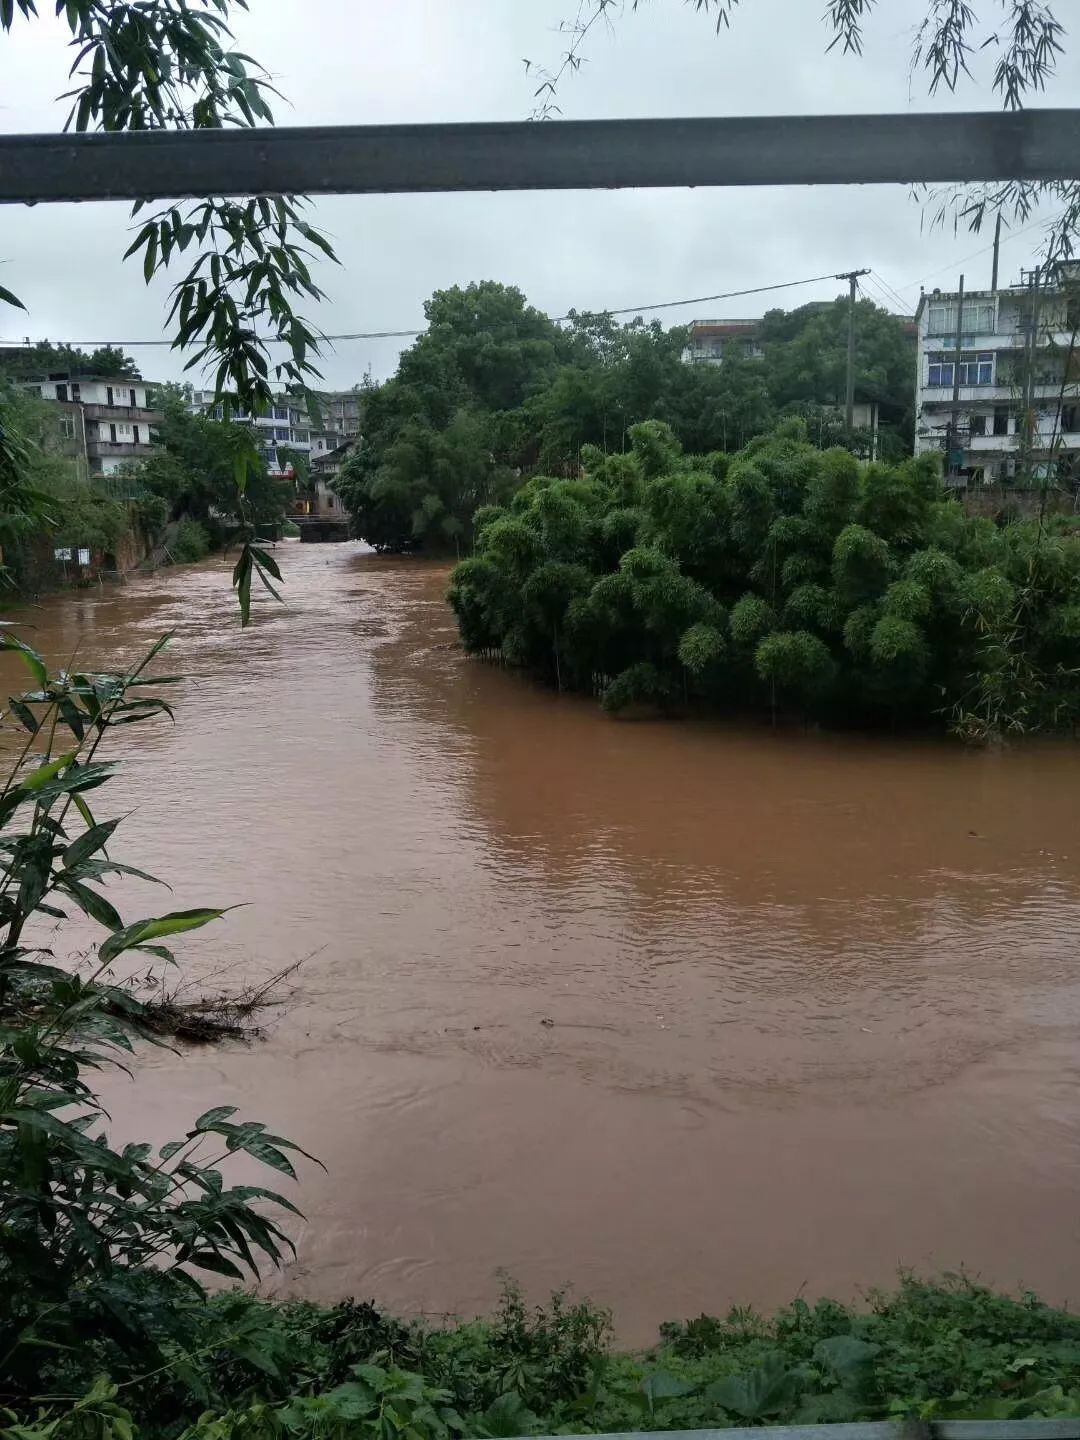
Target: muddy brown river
{"points": [[686, 1014]]}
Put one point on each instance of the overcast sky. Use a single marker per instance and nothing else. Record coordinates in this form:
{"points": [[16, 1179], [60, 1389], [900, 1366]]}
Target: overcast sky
{"points": [[356, 61]]}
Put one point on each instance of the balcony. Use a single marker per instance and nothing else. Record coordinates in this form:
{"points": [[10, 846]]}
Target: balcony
{"points": [[982, 447], [115, 449], [1005, 337], [942, 395], [123, 412]]}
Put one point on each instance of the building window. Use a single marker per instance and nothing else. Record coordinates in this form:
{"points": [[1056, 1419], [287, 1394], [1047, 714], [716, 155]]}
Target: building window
{"points": [[67, 427], [62, 393], [330, 502], [978, 424], [977, 369], [977, 319], [1070, 418], [280, 412], [76, 391], [1001, 420]]}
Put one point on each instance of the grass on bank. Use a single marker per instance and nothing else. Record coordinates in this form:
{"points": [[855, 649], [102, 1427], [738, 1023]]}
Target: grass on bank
{"points": [[251, 1367]]}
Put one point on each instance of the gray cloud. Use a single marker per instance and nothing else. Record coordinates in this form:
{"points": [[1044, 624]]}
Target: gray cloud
{"points": [[359, 61]]}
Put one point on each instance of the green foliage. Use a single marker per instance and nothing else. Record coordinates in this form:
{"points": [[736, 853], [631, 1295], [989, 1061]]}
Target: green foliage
{"points": [[197, 470], [84, 516], [795, 661], [928, 1351], [69, 359], [165, 65], [190, 544], [791, 577], [701, 648], [751, 619], [44, 502], [640, 684], [100, 1247], [494, 391]]}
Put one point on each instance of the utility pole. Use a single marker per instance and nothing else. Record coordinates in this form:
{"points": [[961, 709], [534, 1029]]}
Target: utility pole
{"points": [[1027, 422], [997, 254], [852, 277], [958, 359]]}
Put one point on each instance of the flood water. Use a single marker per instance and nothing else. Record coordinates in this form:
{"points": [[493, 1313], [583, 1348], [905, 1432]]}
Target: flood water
{"points": [[687, 1014]]}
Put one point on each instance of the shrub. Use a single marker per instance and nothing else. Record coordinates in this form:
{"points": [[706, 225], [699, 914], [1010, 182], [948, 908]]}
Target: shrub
{"points": [[191, 543], [940, 615]]}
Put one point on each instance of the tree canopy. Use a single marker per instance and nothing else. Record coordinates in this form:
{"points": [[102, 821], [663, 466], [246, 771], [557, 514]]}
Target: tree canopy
{"points": [[784, 577], [44, 358], [495, 391], [195, 471]]}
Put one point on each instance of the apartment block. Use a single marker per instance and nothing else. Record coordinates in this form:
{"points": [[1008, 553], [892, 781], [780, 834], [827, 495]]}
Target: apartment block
{"points": [[998, 382], [289, 429], [104, 423]]}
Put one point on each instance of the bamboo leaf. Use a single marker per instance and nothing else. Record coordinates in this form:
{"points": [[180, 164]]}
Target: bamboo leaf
{"points": [[24, 715], [143, 930], [90, 902], [95, 839], [44, 773]]}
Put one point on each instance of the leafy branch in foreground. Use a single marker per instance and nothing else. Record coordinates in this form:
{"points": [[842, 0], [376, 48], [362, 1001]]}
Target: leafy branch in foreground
{"points": [[170, 65], [91, 1235]]}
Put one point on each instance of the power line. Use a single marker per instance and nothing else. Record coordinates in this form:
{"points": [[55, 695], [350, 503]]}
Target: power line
{"points": [[1013, 235], [884, 298], [412, 334], [889, 292], [879, 296]]}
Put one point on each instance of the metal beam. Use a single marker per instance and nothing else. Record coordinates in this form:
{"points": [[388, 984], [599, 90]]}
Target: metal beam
{"points": [[912, 1429], [554, 155]]}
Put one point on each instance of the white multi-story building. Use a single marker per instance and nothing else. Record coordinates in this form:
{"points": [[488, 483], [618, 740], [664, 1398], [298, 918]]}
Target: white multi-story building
{"points": [[283, 429], [288, 428], [1003, 398], [105, 423]]}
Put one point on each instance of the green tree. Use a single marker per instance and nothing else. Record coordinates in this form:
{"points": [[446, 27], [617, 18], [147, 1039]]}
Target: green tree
{"points": [[43, 358], [805, 364], [196, 473], [788, 578]]}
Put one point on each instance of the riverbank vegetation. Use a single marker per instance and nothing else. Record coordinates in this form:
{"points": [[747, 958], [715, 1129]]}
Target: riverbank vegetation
{"points": [[786, 579], [46, 505], [50, 505], [108, 1328], [495, 391]]}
